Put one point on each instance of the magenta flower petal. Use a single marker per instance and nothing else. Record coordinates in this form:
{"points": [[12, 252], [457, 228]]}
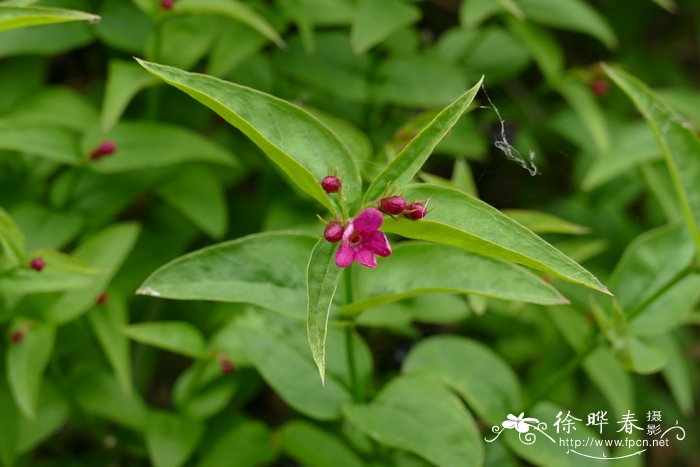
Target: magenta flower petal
{"points": [[345, 255], [368, 220], [365, 257], [377, 243]]}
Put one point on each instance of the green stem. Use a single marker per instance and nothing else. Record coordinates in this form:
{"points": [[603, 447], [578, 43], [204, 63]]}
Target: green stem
{"points": [[357, 391], [563, 372]]}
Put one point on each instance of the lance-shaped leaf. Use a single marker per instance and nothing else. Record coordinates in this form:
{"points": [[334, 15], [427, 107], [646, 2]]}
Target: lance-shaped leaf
{"points": [[322, 281], [12, 17], [406, 165], [124, 81], [26, 362], [420, 268], [469, 223], [176, 336], [245, 270], [680, 146], [297, 142], [233, 9]]}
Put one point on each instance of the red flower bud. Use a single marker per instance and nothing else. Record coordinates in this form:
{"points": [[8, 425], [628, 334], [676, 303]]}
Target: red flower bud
{"points": [[333, 232], [102, 298], [17, 336], [599, 86], [416, 211], [37, 264], [393, 205], [106, 148], [167, 4], [226, 365], [331, 184]]}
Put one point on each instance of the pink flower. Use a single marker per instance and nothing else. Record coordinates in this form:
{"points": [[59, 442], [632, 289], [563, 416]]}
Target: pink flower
{"points": [[362, 240]]}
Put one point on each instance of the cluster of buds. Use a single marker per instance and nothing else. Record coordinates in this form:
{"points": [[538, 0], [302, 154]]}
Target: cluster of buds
{"points": [[360, 237], [396, 205]]}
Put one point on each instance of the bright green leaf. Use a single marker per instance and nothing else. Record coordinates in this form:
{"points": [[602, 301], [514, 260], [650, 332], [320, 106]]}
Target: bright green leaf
{"points": [[124, 81], [418, 268], [107, 322], [679, 144], [395, 418], [298, 143], [297, 436], [409, 161], [171, 439], [322, 279], [251, 441], [473, 225], [245, 270], [541, 222], [52, 143], [375, 21], [26, 362], [176, 336], [20, 17]]}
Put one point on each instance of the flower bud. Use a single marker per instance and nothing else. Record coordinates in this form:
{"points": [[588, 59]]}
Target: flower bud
{"points": [[102, 298], [226, 365], [106, 148], [333, 232], [331, 184], [17, 336], [599, 86], [167, 4], [416, 211], [393, 205], [37, 264]]}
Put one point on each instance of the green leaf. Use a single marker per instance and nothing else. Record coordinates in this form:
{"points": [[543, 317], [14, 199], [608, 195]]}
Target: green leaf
{"points": [[574, 15], [233, 9], [251, 441], [322, 279], [20, 17], [200, 196], [171, 439], [98, 392], [176, 336], [474, 371], [51, 414], [680, 146], [245, 270], [279, 349], [106, 250], [298, 143], [633, 145], [409, 161], [55, 144], [542, 45], [652, 262], [8, 428], [123, 26], [678, 373], [418, 268], [669, 309], [376, 21], [236, 43], [11, 242], [473, 225], [26, 362], [124, 81], [55, 106], [203, 390], [433, 308], [107, 322], [590, 113], [541, 222], [400, 413], [61, 272], [46, 227], [297, 436], [144, 145]]}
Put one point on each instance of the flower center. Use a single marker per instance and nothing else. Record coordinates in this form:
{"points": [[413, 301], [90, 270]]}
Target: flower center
{"points": [[355, 238]]}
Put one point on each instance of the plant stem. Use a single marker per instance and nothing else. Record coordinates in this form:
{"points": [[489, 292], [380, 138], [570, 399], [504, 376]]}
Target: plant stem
{"points": [[350, 338]]}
